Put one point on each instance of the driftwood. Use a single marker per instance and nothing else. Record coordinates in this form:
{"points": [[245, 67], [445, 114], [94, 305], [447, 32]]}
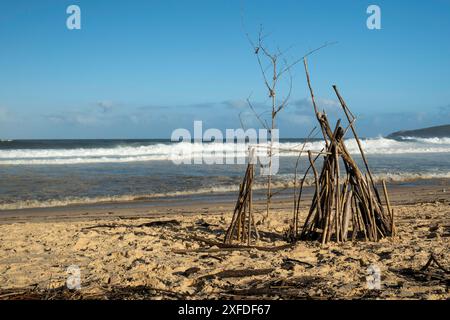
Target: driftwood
{"points": [[348, 202], [438, 275], [187, 272], [388, 204], [434, 260], [344, 206], [243, 225], [108, 293], [209, 250], [157, 223], [230, 247], [292, 288], [239, 273], [289, 263], [160, 223]]}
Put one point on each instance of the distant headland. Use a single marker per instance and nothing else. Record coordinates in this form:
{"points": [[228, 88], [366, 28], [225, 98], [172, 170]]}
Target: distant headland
{"points": [[430, 132]]}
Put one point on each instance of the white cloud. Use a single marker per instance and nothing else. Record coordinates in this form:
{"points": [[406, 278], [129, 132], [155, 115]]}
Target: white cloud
{"points": [[305, 105], [299, 119], [236, 103], [74, 118]]}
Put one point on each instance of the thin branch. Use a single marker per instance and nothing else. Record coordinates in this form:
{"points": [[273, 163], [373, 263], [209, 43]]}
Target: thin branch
{"points": [[240, 120], [326, 44], [256, 114], [288, 96]]}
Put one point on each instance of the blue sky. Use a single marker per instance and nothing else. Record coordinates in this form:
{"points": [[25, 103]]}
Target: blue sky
{"points": [[139, 69]]}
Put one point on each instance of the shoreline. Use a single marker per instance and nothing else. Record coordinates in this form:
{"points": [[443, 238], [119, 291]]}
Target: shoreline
{"points": [[424, 191]]}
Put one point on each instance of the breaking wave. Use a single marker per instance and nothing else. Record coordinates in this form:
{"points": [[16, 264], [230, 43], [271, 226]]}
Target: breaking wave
{"points": [[283, 181], [186, 151]]}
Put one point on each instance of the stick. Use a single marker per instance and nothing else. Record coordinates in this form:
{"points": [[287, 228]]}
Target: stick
{"points": [[346, 217], [250, 182], [316, 176], [337, 204], [237, 273], [346, 111], [391, 212], [305, 63], [236, 246]]}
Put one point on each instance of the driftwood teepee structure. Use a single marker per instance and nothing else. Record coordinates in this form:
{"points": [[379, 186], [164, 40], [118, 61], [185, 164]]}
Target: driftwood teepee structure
{"points": [[348, 203], [243, 226], [344, 206]]}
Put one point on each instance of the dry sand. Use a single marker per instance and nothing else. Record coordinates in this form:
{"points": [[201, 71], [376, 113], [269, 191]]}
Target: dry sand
{"points": [[121, 255]]}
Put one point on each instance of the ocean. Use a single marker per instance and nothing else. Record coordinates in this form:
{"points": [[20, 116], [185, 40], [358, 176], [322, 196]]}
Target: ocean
{"points": [[49, 173]]}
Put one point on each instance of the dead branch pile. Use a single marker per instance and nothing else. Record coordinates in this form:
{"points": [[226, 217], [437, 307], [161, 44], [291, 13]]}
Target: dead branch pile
{"points": [[346, 206], [243, 226], [107, 293]]}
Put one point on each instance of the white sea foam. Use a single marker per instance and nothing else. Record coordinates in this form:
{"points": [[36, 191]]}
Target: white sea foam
{"points": [[434, 140], [165, 151], [284, 181]]}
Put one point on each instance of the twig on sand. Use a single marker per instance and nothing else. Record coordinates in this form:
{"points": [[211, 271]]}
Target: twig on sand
{"points": [[157, 223], [290, 260], [222, 245], [430, 261], [238, 273]]}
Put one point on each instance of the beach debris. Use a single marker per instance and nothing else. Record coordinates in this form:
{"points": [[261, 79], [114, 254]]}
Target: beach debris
{"points": [[209, 256], [160, 223], [202, 223], [349, 206], [243, 226], [102, 226], [303, 287], [188, 272], [216, 246], [108, 292], [157, 223], [139, 292], [289, 263], [36, 293], [237, 273], [432, 260], [437, 275]]}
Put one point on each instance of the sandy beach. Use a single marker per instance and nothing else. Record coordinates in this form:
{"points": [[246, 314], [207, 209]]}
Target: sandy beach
{"points": [[206, 154], [173, 250]]}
